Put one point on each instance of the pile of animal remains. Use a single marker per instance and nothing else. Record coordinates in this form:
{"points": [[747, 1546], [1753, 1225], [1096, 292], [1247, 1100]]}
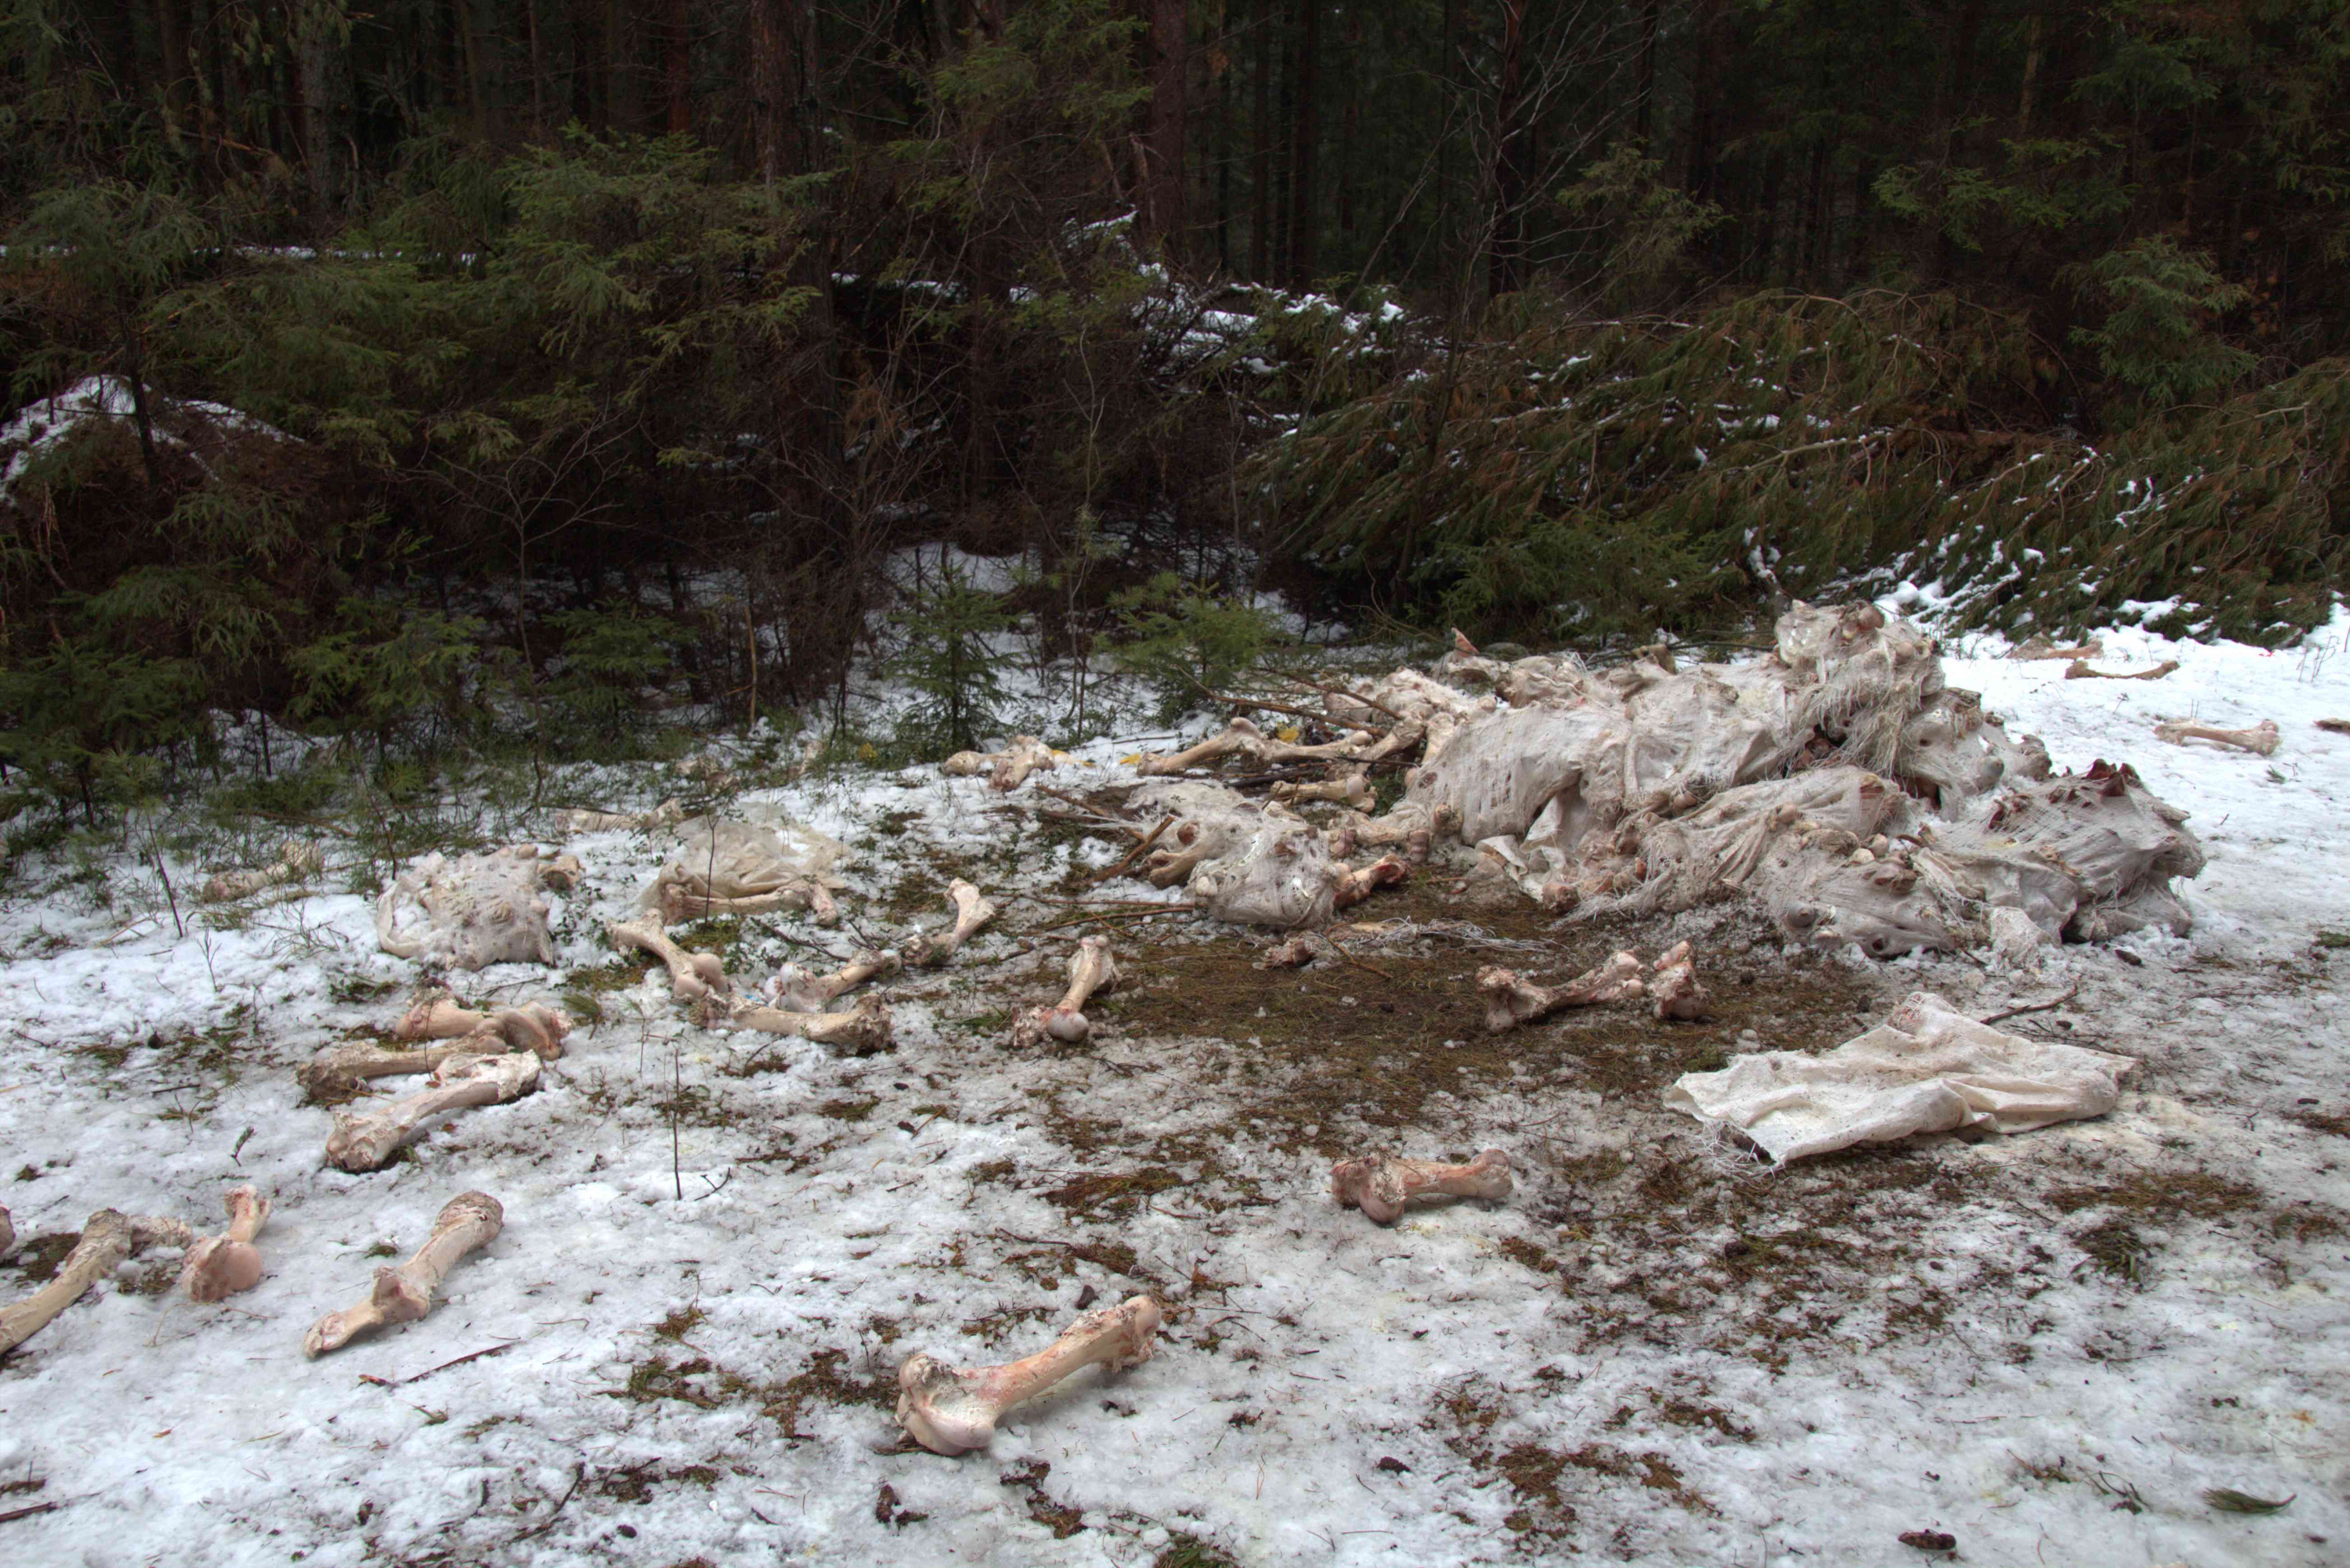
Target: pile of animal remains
{"points": [[1839, 782]]}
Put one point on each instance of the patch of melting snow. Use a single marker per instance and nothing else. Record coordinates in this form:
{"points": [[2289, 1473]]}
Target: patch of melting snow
{"points": [[2047, 1345]]}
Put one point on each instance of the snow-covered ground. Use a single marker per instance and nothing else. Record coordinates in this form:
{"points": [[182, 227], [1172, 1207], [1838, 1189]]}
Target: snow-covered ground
{"points": [[683, 1346]]}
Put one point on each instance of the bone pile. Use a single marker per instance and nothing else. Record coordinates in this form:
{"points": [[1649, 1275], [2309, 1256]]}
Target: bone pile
{"points": [[1839, 783]]}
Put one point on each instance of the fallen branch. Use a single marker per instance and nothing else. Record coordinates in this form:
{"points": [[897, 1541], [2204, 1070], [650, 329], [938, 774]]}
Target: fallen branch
{"points": [[2037, 1007]]}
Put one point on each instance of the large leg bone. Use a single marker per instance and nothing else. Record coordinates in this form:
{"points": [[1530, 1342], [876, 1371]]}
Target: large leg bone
{"points": [[295, 861], [693, 976], [340, 1067], [1091, 969], [951, 1411], [682, 903], [1674, 987], [931, 949], [1240, 736], [1353, 887], [534, 1026], [1511, 1000], [794, 990], [864, 1029], [663, 815], [364, 1141], [1354, 789], [2260, 738], [1380, 1185], [220, 1266], [405, 1294], [107, 1238]]}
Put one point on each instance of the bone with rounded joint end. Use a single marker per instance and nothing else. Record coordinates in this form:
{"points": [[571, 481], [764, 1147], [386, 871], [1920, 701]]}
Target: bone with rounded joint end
{"points": [[405, 1294], [794, 990], [220, 1266], [692, 976], [532, 1026], [866, 1028], [973, 911], [1380, 1185], [1674, 987], [295, 861], [951, 1411], [1353, 887], [365, 1140], [1091, 969], [107, 1238], [1511, 999], [2260, 738]]}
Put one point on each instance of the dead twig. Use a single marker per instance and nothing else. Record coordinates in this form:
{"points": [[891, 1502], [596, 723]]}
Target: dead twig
{"points": [[2037, 1007], [1136, 852], [1112, 915], [403, 1382]]}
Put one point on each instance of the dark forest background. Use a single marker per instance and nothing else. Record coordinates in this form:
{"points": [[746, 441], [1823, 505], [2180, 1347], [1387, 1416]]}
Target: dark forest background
{"points": [[467, 363]]}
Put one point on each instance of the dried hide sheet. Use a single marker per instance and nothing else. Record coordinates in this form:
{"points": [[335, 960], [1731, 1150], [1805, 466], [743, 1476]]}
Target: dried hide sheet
{"points": [[722, 864], [1926, 1068], [469, 911]]}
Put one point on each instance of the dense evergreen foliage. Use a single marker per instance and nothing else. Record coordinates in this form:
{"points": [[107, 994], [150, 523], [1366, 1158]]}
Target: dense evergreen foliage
{"points": [[454, 369]]}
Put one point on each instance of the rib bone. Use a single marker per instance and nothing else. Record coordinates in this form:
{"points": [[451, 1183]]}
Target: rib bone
{"points": [[692, 976], [405, 1294], [534, 1026], [864, 1029], [364, 1141], [973, 911], [1511, 999], [220, 1266], [295, 861], [951, 1411], [1380, 1185], [1674, 987], [107, 1238], [1091, 969], [795, 991], [2260, 738]]}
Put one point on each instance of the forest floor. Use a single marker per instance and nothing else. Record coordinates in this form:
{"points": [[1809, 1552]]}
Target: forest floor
{"points": [[719, 1247]]}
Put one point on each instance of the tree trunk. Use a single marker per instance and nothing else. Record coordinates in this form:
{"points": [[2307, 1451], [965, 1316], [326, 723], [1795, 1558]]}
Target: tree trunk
{"points": [[1644, 121], [1261, 150], [1163, 186], [1305, 133], [1505, 253], [677, 65], [314, 70], [176, 77], [2030, 76], [538, 70], [1351, 122], [775, 85]]}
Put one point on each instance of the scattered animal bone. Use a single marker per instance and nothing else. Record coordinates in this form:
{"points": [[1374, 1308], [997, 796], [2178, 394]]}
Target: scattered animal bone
{"points": [[2040, 647], [1242, 738], [363, 1141], [336, 1071], [1091, 969], [951, 1411], [405, 1294], [1353, 887], [1380, 1185], [560, 872], [692, 976], [1294, 953], [667, 814], [1674, 987], [1007, 769], [1354, 789], [971, 909], [797, 990], [2079, 670], [2335, 726], [7, 1231], [1511, 999], [532, 1026], [107, 1238], [2260, 738], [295, 861], [218, 1266], [474, 910], [864, 1029]]}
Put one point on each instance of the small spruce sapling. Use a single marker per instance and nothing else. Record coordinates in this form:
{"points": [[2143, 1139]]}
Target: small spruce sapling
{"points": [[948, 661], [1186, 643]]}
